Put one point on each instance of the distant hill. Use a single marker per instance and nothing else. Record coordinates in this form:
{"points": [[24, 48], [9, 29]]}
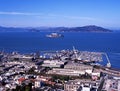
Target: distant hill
{"points": [[91, 28], [12, 29]]}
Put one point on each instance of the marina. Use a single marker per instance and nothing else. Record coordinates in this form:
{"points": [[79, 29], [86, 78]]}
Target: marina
{"points": [[86, 57]]}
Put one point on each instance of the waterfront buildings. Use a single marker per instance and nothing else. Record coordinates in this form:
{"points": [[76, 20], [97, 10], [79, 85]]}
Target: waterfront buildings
{"points": [[72, 69], [55, 74], [53, 63], [69, 72], [79, 67]]}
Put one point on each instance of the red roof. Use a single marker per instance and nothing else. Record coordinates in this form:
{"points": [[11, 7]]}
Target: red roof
{"points": [[21, 79]]}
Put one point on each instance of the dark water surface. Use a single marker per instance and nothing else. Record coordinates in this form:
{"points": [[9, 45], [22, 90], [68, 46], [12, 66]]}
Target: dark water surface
{"points": [[27, 42]]}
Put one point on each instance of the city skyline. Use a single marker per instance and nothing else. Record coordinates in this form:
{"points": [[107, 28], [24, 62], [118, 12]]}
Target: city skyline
{"points": [[55, 13]]}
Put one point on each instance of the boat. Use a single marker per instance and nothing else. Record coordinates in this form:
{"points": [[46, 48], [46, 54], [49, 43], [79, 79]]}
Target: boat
{"points": [[54, 35]]}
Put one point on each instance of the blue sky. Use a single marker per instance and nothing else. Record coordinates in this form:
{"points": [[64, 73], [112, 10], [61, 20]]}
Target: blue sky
{"points": [[71, 13]]}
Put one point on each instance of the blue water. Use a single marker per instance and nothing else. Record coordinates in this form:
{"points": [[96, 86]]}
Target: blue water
{"points": [[27, 42]]}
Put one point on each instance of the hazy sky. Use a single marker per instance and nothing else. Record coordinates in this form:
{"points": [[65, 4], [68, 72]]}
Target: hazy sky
{"points": [[27, 13]]}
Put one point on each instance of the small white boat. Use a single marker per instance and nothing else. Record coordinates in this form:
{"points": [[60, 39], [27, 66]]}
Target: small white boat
{"points": [[54, 35]]}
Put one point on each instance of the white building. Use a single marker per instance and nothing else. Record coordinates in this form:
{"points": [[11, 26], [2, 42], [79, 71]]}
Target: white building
{"points": [[69, 72], [72, 69], [37, 83], [81, 67], [81, 85], [53, 63], [111, 84]]}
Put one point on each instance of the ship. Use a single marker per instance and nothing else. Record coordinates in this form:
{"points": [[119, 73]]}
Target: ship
{"points": [[54, 35]]}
